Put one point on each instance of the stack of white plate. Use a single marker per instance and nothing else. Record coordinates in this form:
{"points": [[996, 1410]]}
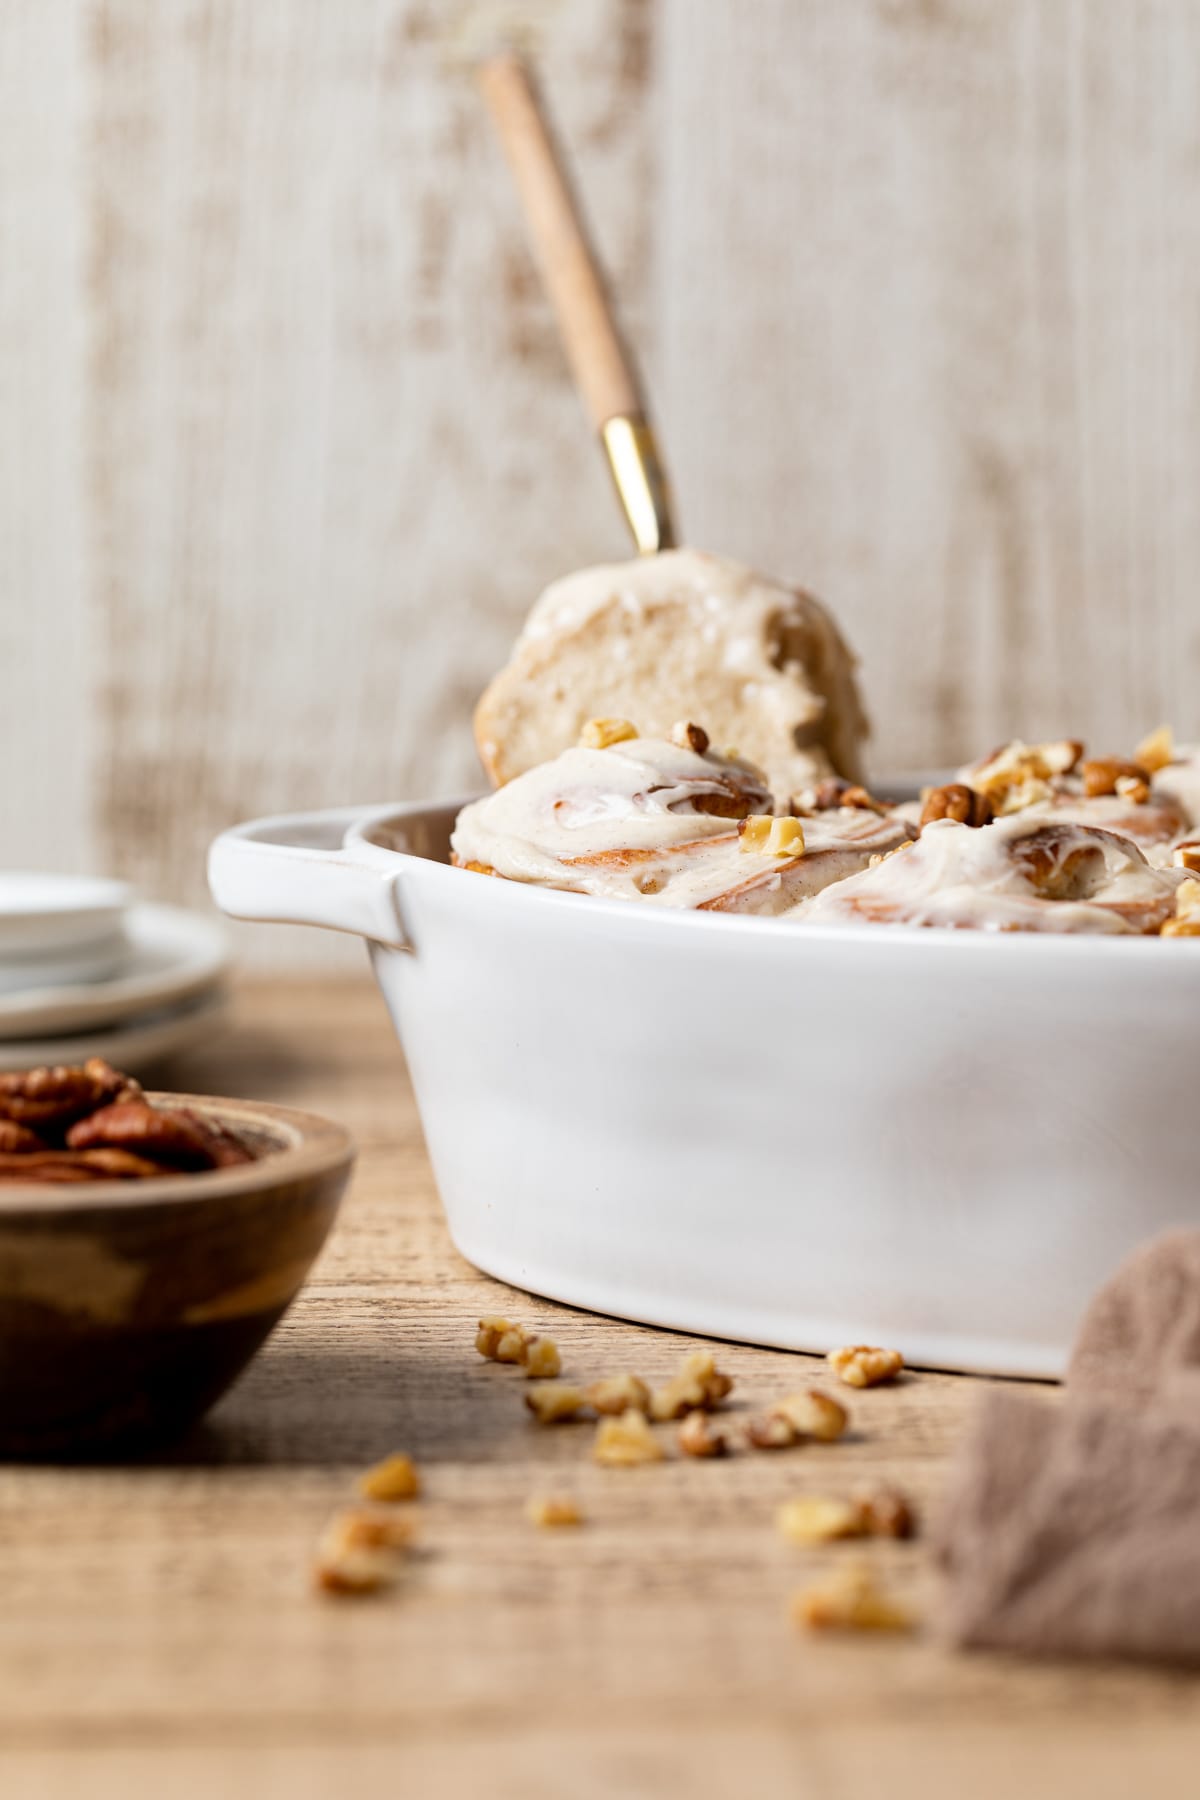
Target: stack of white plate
{"points": [[88, 970]]}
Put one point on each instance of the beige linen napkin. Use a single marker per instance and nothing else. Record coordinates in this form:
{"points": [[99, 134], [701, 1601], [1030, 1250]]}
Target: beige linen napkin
{"points": [[1073, 1528]]}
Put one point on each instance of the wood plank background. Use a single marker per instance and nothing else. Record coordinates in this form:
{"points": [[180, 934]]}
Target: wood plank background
{"points": [[287, 444]]}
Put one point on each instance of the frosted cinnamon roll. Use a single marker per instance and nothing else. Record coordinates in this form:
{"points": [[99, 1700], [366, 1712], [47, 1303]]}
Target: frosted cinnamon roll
{"points": [[666, 822], [1021, 873]]}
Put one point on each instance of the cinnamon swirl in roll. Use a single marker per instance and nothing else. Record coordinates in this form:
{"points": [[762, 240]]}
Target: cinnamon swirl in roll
{"points": [[670, 823], [1025, 872]]}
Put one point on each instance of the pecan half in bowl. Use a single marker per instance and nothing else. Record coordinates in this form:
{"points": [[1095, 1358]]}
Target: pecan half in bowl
{"points": [[134, 1290]]}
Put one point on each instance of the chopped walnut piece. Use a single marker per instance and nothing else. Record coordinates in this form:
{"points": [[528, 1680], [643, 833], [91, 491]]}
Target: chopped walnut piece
{"points": [[1187, 856], [361, 1551], [698, 1385], [771, 1431], [1133, 789], [1018, 775], [491, 1331], [618, 1393], [513, 1345], [541, 1359], [958, 802], [885, 1511], [623, 1442], [1187, 899], [865, 1365], [554, 1401], [1186, 922], [769, 836], [697, 1436], [395, 1478], [858, 798], [849, 1599], [550, 1510], [690, 737], [812, 1414], [600, 734], [1156, 751], [1102, 773], [1022, 794], [819, 1519]]}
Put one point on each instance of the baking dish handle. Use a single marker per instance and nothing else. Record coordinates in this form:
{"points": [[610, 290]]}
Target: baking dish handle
{"points": [[297, 870]]}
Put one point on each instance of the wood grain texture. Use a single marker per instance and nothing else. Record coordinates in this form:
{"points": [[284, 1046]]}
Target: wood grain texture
{"points": [[334, 451], [157, 1629], [939, 354], [47, 717], [289, 442]]}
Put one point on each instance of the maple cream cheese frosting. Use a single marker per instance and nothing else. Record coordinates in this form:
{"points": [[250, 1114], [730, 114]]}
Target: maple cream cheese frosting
{"points": [[651, 820], [1022, 873]]}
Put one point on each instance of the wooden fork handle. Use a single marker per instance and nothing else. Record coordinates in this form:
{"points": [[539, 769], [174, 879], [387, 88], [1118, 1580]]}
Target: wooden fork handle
{"points": [[600, 362], [568, 265]]}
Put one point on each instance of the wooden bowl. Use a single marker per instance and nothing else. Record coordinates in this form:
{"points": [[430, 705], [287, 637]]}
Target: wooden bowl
{"points": [[128, 1307]]}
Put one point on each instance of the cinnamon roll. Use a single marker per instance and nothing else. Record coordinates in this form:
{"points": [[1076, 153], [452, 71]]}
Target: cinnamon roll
{"points": [[1024, 872], [667, 823]]}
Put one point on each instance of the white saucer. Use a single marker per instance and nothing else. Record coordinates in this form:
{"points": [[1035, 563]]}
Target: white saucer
{"points": [[131, 1048], [40, 914], [102, 960], [173, 955]]}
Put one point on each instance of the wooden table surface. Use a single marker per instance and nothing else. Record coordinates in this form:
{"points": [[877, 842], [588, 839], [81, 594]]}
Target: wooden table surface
{"points": [[159, 1633]]}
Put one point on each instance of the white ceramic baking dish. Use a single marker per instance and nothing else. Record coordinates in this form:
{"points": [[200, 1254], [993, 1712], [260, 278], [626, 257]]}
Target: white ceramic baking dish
{"points": [[800, 1137]]}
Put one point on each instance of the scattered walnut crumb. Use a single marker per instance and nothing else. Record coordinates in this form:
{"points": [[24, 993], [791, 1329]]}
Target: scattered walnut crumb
{"points": [[770, 836], [361, 1551], [623, 1442], [698, 1437], [395, 1478], [542, 1360], [618, 1393], [555, 1401], [771, 1431], [690, 737], [813, 1414], [600, 734], [1133, 789], [864, 1365], [1156, 751], [512, 1345], [550, 1510], [869, 1512], [1187, 856], [886, 1511], [819, 1519], [490, 1334], [698, 1385], [849, 1599]]}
